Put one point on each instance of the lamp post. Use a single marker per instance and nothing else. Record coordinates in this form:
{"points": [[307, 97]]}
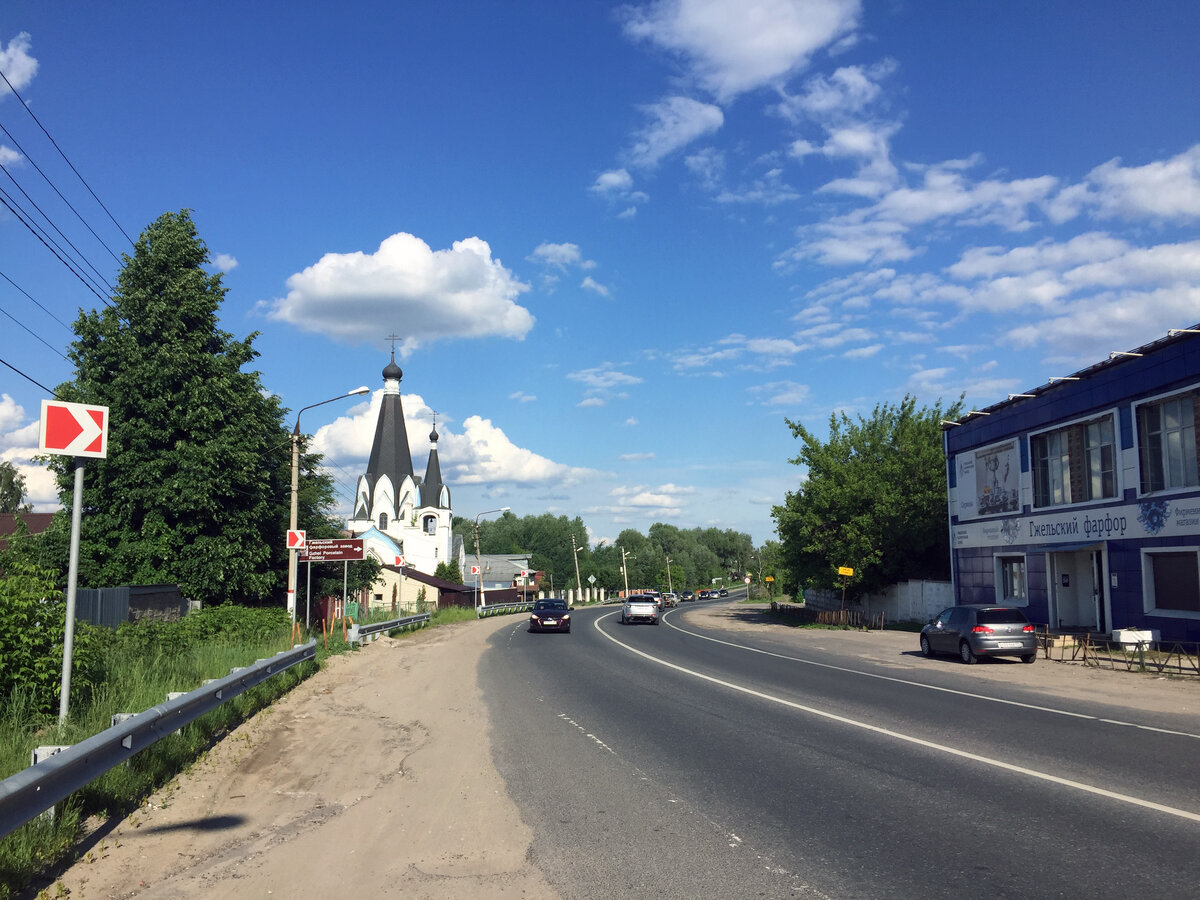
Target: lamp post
{"points": [[575, 555], [291, 588], [624, 570], [478, 564]]}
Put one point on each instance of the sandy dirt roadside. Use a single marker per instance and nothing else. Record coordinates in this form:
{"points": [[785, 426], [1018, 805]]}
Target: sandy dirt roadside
{"points": [[372, 778]]}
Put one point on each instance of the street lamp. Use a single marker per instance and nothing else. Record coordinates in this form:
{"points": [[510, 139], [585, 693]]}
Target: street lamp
{"points": [[624, 570], [291, 588], [478, 564], [575, 555]]}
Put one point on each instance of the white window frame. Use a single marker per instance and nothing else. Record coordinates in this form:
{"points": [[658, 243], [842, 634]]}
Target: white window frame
{"points": [[998, 563], [1137, 440], [1113, 414], [1148, 599]]}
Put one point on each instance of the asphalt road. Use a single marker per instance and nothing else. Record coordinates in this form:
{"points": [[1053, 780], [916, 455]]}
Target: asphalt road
{"points": [[689, 761]]}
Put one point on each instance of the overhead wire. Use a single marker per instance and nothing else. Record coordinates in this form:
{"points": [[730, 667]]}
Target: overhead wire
{"points": [[83, 180], [33, 300], [28, 378], [34, 334]]}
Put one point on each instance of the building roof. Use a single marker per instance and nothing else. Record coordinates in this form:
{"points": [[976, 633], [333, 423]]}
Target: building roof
{"points": [[35, 522], [1115, 358], [390, 455], [431, 487]]}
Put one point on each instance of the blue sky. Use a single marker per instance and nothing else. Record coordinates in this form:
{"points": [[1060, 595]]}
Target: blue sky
{"points": [[621, 243]]}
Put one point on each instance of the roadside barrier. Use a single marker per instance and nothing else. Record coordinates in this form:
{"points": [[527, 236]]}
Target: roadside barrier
{"points": [[501, 609], [1161, 657], [851, 618], [36, 789], [359, 632]]}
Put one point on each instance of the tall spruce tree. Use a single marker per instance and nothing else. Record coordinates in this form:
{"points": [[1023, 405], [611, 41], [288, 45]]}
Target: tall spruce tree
{"points": [[195, 488]]}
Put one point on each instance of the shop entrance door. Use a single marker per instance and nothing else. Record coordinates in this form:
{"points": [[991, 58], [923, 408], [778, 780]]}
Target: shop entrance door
{"points": [[1077, 589]]}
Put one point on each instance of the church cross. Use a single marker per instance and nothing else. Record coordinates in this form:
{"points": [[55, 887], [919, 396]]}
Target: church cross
{"points": [[393, 338]]}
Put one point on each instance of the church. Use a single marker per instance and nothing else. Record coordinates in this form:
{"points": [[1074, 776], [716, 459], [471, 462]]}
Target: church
{"points": [[403, 519]]}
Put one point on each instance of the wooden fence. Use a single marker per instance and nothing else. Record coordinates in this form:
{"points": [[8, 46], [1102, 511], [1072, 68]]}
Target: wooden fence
{"points": [[850, 618]]}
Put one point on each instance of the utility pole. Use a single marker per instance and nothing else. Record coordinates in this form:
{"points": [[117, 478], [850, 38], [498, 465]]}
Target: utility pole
{"points": [[575, 556]]}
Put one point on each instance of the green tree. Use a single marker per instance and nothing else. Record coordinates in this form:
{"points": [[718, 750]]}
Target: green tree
{"points": [[12, 489], [449, 571], [195, 489], [874, 499]]}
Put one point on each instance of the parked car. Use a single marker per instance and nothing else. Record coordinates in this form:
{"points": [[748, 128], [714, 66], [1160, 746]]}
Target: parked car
{"points": [[550, 614], [640, 608], [972, 631]]}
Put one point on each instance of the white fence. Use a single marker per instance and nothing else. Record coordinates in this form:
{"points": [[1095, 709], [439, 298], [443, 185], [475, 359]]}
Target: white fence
{"points": [[908, 601]]}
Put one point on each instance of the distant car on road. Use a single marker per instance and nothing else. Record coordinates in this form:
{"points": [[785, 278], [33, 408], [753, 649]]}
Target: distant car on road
{"points": [[550, 614], [686, 597], [972, 631], [670, 598], [640, 608], [723, 592]]}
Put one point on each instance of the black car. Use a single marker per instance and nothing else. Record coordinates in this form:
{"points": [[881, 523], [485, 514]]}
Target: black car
{"points": [[723, 592], [550, 615], [686, 596], [972, 631]]}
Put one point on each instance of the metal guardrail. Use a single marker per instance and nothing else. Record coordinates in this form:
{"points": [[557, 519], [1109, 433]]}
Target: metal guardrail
{"points": [[34, 790], [501, 609], [358, 632]]}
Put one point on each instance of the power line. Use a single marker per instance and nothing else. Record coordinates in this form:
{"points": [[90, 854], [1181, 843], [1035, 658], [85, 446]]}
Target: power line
{"points": [[4, 198], [27, 378], [102, 282], [69, 163], [39, 305], [33, 333]]}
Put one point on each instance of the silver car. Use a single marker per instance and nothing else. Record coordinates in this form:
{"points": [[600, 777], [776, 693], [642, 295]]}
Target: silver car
{"points": [[971, 631]]}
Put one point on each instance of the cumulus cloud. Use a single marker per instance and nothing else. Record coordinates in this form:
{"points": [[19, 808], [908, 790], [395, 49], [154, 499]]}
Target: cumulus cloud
{"points": [[614, 181], [780, 393], [1163, 189], [560, 256], [480, 453], [674, 123], [457, 293], [665, 499], [591, 284], [19, 445], [18, 66], [731, 48], [224, 262]]}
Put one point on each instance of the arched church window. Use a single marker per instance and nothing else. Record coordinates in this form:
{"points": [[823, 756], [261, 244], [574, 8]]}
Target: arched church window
{"points": [[431, 524], [383, 521]]}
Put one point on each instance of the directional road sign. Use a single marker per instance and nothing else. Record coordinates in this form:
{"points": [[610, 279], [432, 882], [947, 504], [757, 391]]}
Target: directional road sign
{"points": [[295, 539], [73, 429], [332, 550]]}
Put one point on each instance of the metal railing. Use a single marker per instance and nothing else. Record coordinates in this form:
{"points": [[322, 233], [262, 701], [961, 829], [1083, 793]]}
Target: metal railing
{"points": [[358, 632], [502, 609], [34, 790], [1162, 657]]}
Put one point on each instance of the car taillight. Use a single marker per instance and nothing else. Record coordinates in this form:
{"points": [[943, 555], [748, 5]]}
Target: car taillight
{"points": [[1027, 629], [981, 629]]}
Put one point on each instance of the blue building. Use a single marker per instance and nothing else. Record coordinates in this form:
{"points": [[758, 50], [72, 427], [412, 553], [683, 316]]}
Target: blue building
{"points": [[1080, 499]]}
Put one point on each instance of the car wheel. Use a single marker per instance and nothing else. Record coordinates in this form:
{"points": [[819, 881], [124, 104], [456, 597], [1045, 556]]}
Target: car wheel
{"points": [[568, 629], [1029, 658], [622, 619], [926, 647], [967, 654]]}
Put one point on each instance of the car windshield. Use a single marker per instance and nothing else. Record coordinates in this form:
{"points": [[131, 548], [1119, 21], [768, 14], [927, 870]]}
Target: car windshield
{"points": [[1000, 617], [550, 604]]}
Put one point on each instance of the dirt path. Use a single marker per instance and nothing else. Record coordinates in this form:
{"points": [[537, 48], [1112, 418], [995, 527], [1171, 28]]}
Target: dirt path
{"points": [[373, 778]]}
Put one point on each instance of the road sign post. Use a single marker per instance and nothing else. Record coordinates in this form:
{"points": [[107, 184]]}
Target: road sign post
{"points": [[81, 431]]}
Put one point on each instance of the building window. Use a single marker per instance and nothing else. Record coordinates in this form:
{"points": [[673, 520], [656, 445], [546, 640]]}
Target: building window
{"points": [[383, 521], [1171, 581], [1075, 464], [431, 524], [1167, 443], [1011, 585]]}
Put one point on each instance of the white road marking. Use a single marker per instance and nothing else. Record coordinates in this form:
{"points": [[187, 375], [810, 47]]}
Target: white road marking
{"points": [[929, 687], [900, 736]]}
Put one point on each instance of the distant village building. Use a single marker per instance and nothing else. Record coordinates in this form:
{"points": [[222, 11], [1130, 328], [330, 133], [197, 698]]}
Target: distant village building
{"points": [[404, 519]]}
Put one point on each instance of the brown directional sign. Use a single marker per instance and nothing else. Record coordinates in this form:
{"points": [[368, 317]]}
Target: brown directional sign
{"points": [[332, 550]]}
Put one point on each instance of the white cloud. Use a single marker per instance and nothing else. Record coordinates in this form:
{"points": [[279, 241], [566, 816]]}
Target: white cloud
{"points": [[603, 378], [863, 352], [591, 284], [780, 393], [636, 457], [16, 63], [522, 397], [1163, 189], [19, 445], [481, 453], [614, 181], [666, 499], [224, 262], [457, 293], [675, 123], [732, 48], [559, 256], [8, 156], [708, 165]]}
